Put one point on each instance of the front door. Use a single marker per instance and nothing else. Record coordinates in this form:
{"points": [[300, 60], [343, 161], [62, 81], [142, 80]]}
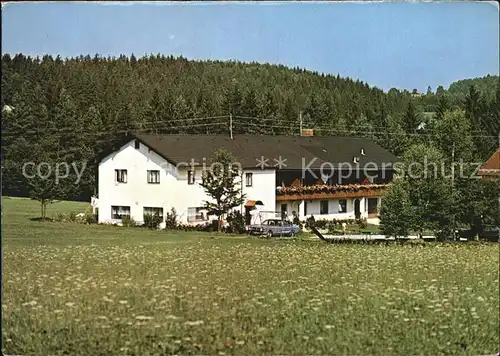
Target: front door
{"points": [[372, 207], [357, 212], [284, 211]]}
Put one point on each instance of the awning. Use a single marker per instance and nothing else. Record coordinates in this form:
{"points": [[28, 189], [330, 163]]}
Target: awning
{"points": [[253, 203]]}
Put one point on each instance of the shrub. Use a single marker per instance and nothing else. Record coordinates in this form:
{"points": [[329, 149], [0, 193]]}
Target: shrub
{"points": [[214, 225], [152, 221], [207, 227], [60, 217], [321, 224], [310, 221], [236, 223], [171, 219], [91, 218], [88, 218], [362, 223], [331, 227], [128, 221], [72, 217]]}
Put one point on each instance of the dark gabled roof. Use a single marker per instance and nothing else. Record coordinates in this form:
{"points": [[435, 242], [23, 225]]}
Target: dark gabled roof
{"points": [[247, 149]]}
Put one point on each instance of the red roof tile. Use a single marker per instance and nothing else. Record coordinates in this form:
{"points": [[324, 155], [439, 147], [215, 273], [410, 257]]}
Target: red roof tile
{"points": [[493, 163]]}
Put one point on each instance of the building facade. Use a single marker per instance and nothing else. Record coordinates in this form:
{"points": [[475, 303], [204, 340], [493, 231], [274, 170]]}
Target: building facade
{"points": [[285, 176]]}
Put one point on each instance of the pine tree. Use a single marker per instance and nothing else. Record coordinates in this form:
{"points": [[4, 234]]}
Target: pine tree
{"points": [[341, 127], [289, 118], [233, 101], [268, 111], [70, 148], [440, 91], [362, 127], [443, 107], [154, 114], [474, 105], [123, 92], [182, 117], [249, 106], [250, 111], [411, 119], [476, 111], [395, 138]]}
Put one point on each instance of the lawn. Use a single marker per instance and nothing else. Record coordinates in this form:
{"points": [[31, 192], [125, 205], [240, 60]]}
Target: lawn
{"points": [[100, 290]]}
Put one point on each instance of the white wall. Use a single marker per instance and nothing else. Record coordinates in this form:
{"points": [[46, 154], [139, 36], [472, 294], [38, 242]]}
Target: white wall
{"points": [[263, 188], [313, 208], [173, 190], [136, 193]]}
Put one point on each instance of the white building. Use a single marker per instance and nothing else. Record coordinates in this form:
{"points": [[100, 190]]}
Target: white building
{"points": [[155, 173]]}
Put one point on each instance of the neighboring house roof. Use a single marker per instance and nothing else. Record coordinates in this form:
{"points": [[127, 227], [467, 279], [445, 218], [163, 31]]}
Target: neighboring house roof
{"points": [[492, 166], [248, 149]]}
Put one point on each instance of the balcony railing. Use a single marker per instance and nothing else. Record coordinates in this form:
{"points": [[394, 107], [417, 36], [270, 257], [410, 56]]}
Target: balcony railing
{"points": [[312, 192]]}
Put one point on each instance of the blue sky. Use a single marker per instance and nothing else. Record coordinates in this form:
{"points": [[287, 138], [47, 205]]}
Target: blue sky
{"points": [[402, 45]]}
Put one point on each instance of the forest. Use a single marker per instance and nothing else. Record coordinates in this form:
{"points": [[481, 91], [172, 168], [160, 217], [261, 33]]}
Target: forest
{"points": [[71, 109]]}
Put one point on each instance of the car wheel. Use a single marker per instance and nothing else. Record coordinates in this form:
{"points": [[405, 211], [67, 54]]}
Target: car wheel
{"points": [[269, 234]]}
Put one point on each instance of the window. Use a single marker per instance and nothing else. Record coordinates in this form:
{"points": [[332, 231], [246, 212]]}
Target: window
{"points": [[153, 177], [372, 206], [137, 144], [323, 207], [118, 212], [305, 208], [248, 177], [191, 177], [153, 211], [342, 206], [196, 214], [121, 175]]}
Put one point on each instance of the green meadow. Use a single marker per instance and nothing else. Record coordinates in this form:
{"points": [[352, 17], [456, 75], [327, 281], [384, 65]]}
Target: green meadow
{"points": [[78, 289]]}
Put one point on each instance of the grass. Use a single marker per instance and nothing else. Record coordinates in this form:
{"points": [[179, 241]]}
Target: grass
{"points": [[79, 290]]}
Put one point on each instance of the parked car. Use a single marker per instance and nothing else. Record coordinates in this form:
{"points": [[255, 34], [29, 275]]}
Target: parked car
{"points": [[490, 233], [274, 227]]}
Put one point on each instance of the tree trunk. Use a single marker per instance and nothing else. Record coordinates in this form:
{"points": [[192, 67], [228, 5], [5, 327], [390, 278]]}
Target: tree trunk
{"points": [[44, 208]]}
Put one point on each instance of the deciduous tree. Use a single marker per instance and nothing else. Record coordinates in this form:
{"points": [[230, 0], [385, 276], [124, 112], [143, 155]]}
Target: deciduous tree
{"points": [[219, 183], [396, 211]]}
